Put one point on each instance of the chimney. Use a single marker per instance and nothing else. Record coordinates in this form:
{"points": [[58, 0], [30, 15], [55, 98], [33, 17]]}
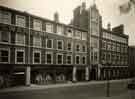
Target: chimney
{"points": [[56, 17], [109, 26], [83, 5]]}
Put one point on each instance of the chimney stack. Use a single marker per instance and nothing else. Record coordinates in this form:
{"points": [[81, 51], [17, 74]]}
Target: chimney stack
{"points": [[56, 17]]}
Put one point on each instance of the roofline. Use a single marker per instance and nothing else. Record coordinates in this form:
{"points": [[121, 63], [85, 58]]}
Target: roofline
{"points": [[42, 18], [119, 34]]}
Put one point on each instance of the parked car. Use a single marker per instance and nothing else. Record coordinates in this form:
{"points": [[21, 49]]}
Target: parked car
{"points": [[131, 84]]}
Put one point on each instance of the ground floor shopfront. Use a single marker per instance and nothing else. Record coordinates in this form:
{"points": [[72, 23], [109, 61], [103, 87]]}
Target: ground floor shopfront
{"points": [[11, 75], [101, 72]]}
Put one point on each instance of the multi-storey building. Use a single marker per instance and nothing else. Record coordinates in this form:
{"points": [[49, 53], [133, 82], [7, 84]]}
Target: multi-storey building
{"points": [[109, 58], [131, 60], [43, 51]]}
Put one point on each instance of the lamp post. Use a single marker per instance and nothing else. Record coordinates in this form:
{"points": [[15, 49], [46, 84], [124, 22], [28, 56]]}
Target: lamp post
{"points": [[108, 82]]}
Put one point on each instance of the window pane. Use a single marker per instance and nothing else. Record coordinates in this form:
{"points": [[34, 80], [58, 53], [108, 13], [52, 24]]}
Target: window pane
{"points": [[4, 36], [4, 56], [59, 59], [49, 43], [49, 58], [20, 21], [60, 46], [37, 25], [36, 57], [20, 39]]}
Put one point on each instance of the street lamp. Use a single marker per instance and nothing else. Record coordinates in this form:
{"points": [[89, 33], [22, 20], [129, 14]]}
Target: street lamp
{"points": [[108, 82]]}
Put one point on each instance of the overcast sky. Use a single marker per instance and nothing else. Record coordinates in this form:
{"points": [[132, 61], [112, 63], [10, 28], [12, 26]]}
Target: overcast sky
{"points": [[108, 9]]}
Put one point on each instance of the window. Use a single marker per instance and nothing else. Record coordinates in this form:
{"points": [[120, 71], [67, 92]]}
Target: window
{"points": [[60, 30], [84, 35], [103, 44], [60, 59], [37, 25], [37, 41], [84, 60], [77, 47], [5, 17], [49, 43], [103, 56], [4, 55], [49, 27], [69, 32], [49, 58], [77, 34], [20, 39], [84, 48], [4, 37], [69, 46], [95, 56], [77, 59], [20, 21], [60, 44], [69, 59], [20, 57], [37, 57]]}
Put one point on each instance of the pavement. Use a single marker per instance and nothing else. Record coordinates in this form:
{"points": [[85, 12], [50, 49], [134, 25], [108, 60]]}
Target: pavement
{"points": [[69, 84]]}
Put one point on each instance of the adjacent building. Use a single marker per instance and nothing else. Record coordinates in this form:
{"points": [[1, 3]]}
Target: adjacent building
{"points": [[131, 60], [108, 48]]}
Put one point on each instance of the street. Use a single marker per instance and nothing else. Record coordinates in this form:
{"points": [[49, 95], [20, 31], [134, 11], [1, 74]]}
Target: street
{"points": [[118, 90]]}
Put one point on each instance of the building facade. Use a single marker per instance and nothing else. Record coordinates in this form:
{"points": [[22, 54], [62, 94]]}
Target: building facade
{"points": [[131, 60], [108, 49], [41, 50]]}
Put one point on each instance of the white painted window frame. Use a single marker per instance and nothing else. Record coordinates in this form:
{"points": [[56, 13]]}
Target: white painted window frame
{"points": [[79, 59], [7, 49], [51, 24], [16, 36], [67, 59], [37, 20], [22, 50], [17, 21], [62, 44], [51, 57], [37, 51], [57, 58], [52, 43], [9, 36]]}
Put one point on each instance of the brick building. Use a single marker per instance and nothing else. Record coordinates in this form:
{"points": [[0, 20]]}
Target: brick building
{"points": [[131, 60], [108, 48], [38, 50], [44, 51]]}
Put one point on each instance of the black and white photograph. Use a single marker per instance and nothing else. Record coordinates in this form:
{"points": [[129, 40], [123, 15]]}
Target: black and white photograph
{"points": [[67, 49]]}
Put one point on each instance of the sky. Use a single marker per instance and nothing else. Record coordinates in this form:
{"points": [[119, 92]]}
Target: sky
{"points": [[109, 10]]}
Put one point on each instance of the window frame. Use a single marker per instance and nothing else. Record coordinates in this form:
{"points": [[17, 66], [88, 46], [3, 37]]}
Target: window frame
{"points": [[71, 46], [76, 60], [51, 43], [85, 60], [62, 44], [67, 59], [37, 51], [57, 59], [35, 41], [37, 20], [9, 36], [17, 21], [51, 24], [22, 50], [51, 53], [16, 36], [7, 49]]}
